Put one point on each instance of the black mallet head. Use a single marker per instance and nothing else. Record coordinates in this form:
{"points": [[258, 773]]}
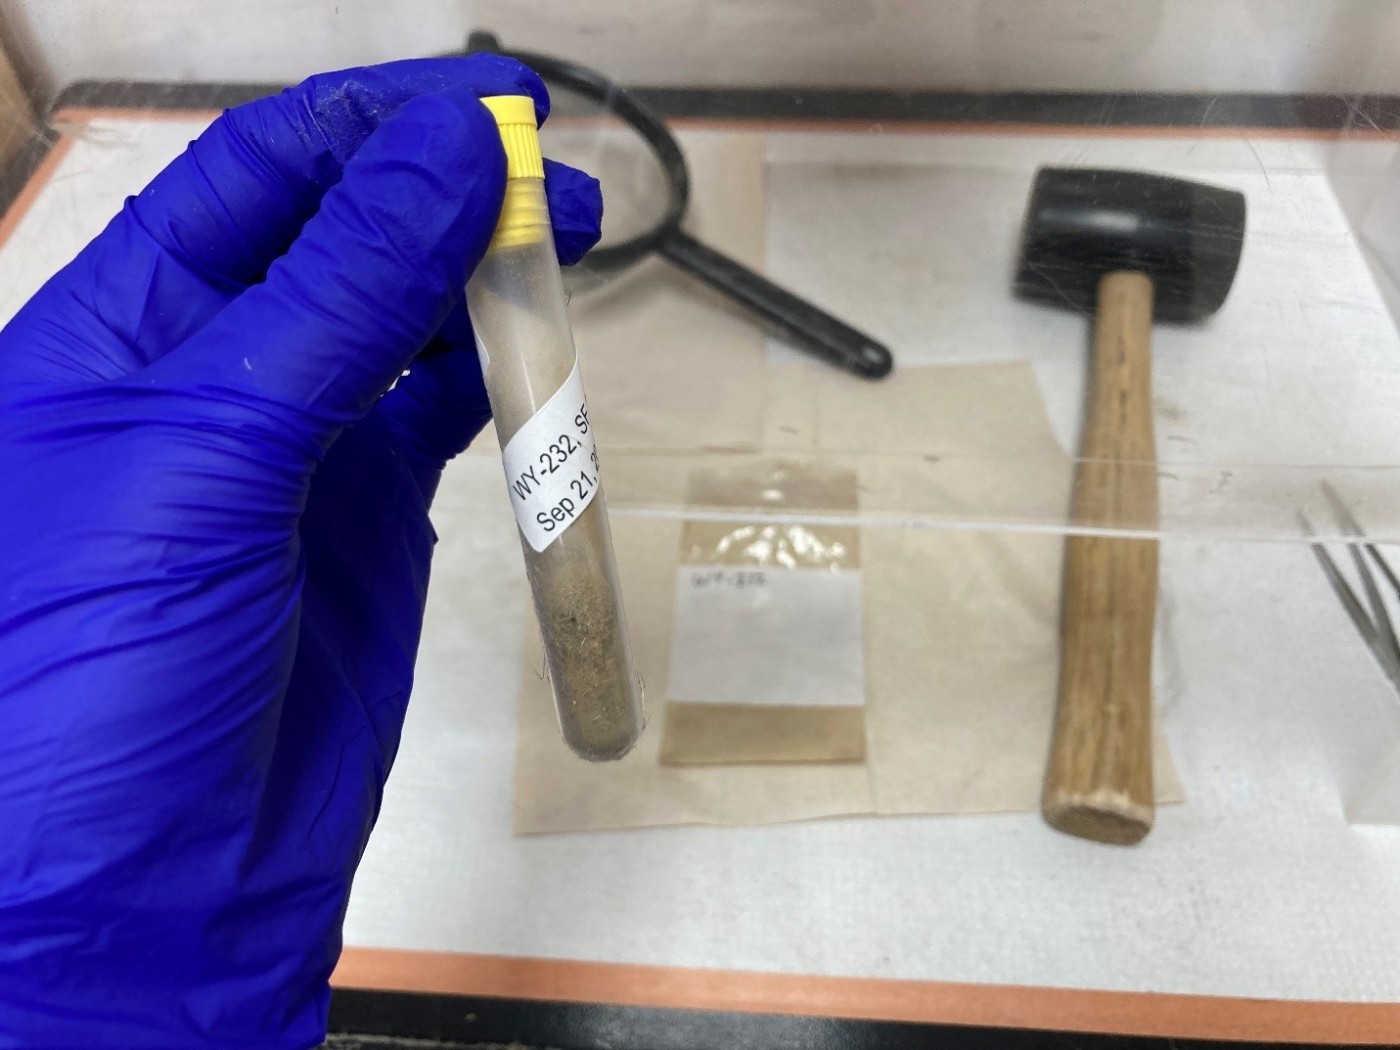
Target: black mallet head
{"points": [[1082, 223]]}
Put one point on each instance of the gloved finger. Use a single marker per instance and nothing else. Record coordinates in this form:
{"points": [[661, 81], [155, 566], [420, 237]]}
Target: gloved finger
{"points": [[439, 407], [368, 282], [575, 210], [213, 221]]}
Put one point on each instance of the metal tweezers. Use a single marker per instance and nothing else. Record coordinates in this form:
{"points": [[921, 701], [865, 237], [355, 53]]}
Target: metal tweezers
{"points": [[1375, 627]]}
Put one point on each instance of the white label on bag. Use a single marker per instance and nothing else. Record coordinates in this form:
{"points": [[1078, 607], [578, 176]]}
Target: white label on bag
{"points": [[552, 465], [767, 636]]}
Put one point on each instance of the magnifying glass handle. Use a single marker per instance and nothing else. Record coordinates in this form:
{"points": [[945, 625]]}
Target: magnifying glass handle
{"points": [[812, 329]]}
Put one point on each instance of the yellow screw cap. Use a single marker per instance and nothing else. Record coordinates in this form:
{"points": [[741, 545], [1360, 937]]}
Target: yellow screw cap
{"points": [[524, 214], [515, 116]]}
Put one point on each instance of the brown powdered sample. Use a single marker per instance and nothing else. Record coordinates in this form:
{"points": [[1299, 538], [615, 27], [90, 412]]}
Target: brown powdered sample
{"points": [[585, 640]]}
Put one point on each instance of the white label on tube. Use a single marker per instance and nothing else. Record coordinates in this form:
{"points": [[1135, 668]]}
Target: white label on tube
{"points": [[552, 465]]}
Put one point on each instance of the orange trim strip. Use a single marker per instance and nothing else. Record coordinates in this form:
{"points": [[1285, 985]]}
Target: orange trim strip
{"points": [[1109, 131], [1010, 1006], [86, 114], [36, 182]]}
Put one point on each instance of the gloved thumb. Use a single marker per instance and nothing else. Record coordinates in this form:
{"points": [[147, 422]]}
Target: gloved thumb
{"points": [[367, 282]]}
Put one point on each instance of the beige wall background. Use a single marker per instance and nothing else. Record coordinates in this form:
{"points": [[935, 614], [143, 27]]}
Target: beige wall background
{"points": [[1096, 45]]}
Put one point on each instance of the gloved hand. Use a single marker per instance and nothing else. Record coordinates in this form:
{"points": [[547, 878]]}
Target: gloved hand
{"points": [[214, 549]]}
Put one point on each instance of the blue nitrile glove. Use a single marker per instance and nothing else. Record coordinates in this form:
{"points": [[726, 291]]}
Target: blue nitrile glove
{"points": [[214, 550]]}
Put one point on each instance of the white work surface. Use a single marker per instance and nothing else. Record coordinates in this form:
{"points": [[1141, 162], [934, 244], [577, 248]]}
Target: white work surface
{"points": [[1256, 887]]}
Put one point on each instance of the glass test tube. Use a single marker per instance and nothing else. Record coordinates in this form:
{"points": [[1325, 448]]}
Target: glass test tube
{"points": [[517, 306]]}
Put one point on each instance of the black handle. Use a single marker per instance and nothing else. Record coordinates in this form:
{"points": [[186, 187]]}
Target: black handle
{"points": [[812, 329]]}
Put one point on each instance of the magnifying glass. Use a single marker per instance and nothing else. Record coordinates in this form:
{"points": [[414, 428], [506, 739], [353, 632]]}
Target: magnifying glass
{"points": [[600, 127]]}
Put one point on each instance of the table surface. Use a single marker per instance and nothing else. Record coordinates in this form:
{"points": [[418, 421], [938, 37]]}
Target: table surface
{"points": [[1258, 888]]}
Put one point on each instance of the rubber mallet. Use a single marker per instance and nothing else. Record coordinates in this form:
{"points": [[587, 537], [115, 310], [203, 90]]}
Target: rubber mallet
{"points": [[1130, 248]]}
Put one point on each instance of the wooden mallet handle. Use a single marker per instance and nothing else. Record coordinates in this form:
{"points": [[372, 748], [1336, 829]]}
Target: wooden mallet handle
{"points": [[1098, 784]]}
